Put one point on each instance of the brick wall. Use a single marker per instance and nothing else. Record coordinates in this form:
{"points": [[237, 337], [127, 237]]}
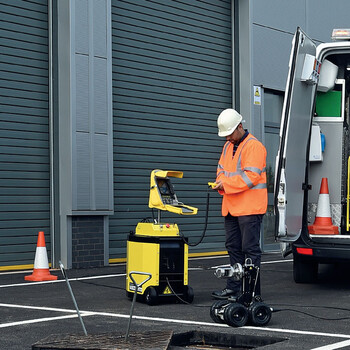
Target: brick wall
{"points": [[87, 242]]}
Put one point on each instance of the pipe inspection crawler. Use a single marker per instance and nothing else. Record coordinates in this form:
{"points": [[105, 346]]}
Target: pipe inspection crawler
{"points": [[237, 312], [158, 248]]}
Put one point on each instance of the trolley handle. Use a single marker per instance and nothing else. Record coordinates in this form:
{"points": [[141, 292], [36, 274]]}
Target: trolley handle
{"points": [[149, 276]]}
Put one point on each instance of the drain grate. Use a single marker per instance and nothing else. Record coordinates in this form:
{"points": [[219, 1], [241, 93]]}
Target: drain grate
{"points": [[145, 340], [157, 340]]}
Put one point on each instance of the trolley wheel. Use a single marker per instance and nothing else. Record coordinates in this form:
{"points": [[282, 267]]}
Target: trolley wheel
{"points": [[188, 294], [215, 311], [236, 315], [259, 314], [151, 296], [129, 295]]}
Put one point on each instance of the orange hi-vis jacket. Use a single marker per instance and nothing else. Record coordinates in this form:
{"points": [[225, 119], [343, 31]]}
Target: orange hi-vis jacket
{"points": [[243, 177]]}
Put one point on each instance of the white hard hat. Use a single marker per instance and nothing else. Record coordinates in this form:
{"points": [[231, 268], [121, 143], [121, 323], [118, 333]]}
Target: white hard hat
{"points": [[228, 121]]}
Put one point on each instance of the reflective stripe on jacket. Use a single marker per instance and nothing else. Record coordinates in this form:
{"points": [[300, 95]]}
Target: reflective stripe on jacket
{"points": [[243, 178]]}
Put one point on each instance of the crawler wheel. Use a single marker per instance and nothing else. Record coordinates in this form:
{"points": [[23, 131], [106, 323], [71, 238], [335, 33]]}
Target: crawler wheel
{"points": [[151, 296], [259, 314], [236, 315], [188, 294], [217, 311]]}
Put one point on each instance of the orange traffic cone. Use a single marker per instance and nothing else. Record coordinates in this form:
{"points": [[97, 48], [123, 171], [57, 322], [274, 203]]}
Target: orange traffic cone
{"points": [[41, 264], [323, 221]]}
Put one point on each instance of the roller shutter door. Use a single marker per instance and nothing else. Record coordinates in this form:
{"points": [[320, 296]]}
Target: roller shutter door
{"points": [[171, 78], [24, 146]]}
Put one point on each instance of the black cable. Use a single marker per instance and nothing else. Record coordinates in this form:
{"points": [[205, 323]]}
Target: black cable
{"points": [[311, 315], [182, 300], [148, 219], [205, 226], [316, 306]]}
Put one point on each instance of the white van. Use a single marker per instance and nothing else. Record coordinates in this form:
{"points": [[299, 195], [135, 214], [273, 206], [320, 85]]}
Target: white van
{"points": [[315, 145]]}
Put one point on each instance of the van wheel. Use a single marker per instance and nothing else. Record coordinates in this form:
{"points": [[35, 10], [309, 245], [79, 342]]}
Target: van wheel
{"points": [[304, 272]]}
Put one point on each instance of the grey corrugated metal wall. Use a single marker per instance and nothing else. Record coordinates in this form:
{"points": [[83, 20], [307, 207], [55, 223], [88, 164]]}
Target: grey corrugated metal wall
{"points": [[24, 146], [171, 78]]}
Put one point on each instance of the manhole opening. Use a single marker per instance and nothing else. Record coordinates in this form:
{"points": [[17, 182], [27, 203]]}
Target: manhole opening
{"points": [[214, 340]]}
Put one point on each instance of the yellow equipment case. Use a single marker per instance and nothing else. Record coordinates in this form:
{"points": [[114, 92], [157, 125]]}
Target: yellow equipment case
{"points": [[157, 249]]}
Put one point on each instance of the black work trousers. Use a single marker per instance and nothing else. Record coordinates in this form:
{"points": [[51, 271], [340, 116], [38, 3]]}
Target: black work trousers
{"points": [[243, 241]]}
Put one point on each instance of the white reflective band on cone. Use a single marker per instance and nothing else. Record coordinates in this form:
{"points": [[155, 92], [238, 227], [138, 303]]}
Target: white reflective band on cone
{"points": [[41, 261], [323, 206]]}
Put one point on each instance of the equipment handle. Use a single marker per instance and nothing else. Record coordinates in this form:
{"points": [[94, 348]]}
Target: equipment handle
{"points": [[72, 295], [149, 276]]}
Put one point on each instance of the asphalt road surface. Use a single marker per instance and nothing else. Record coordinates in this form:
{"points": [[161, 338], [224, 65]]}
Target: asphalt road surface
{"points": [[307, 316]]}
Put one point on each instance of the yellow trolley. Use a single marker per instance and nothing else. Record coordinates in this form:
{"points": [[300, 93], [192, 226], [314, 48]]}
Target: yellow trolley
{"points": [[158, 249]]}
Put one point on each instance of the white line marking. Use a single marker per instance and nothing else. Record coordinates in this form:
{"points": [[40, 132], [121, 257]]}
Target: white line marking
{"points": [[38, 320], [113, 275], [42, 308], [262, 263], [339, 345], [59, 281], [276, 261], [160, 319], [292, 331], [208, 257]]}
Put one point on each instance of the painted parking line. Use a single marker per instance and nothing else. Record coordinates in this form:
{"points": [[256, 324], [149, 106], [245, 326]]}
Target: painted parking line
{"points": [[334, 346], [262, 263], [26, 284], [39, 320], [41, 308], [169, 320], [59, 281], [116, 275]]}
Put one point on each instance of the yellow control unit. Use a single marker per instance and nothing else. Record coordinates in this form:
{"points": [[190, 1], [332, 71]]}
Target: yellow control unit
{"points": [[158, 249]]}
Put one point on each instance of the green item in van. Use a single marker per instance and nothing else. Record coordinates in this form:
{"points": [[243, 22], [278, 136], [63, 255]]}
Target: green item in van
{"points": [[328, 104]]}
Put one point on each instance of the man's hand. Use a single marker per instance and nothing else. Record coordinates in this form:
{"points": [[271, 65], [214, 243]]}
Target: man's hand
{"points": [[219, 186]]}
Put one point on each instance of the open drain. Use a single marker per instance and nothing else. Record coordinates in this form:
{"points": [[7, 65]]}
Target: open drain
{"points": [[219, 341]]}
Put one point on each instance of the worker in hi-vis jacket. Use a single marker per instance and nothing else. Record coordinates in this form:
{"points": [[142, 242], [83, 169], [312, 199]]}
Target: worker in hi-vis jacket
{"points": [[241, 180]]}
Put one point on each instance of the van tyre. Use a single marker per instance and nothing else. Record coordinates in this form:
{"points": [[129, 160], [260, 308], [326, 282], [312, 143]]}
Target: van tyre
{"points": [[151, 296], [304, 272], [236, 315], [259, 314]]}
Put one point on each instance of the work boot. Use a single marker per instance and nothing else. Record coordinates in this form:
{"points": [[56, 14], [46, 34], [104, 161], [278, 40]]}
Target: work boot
{"points": [[223, 294]]}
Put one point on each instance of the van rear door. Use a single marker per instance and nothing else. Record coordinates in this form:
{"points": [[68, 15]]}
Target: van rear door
{"points": [[295, 127]]}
